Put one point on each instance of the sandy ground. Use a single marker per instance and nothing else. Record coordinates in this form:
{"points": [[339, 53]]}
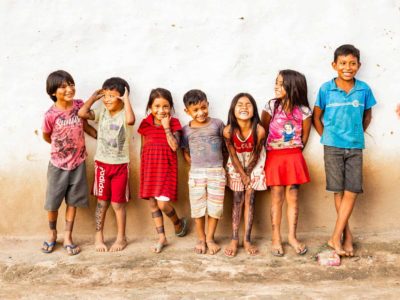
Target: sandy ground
{"points": [[178, 273]]}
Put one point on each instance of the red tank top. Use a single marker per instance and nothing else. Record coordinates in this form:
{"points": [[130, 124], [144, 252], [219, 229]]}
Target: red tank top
{"points": [[245, 145]]}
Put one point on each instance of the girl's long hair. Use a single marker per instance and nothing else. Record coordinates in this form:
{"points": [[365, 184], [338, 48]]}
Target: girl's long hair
{"points": [[255, 120], [295, 85]]}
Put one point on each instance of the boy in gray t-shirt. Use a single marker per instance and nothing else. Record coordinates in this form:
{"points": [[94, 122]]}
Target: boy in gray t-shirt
{"points": [[202, 144]]}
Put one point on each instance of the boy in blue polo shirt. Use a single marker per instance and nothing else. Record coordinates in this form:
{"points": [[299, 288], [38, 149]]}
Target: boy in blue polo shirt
{"points": [[344, 104]]}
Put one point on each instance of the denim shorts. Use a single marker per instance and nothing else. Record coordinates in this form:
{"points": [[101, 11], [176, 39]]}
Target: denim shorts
{"points": [[343, 168]]}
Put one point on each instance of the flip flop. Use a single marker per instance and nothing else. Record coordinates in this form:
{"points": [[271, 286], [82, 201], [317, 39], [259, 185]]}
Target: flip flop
{"points": [[303, 251], [70, 249], [184, 229], [49, 246], [158, 247]]}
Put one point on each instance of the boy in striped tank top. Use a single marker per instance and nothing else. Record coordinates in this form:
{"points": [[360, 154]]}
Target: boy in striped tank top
{"points": [[202, 143]]}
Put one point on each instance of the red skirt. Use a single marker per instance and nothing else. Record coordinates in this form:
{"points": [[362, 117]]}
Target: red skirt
{"points": [[286, 167]]}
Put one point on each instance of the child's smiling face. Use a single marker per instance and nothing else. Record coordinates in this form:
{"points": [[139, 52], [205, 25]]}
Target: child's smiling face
{"points": [[280, 92], [160, 108], [346, 66], [244, 110], [65, 92], [198, 112], [112, 101]]}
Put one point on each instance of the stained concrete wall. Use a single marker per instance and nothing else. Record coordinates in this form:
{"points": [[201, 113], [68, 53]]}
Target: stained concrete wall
{"points": [[222, 47]]}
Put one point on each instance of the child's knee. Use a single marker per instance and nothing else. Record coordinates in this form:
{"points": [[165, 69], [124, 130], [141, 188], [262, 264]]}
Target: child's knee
{"points": [[153, 204], [164, 206]]}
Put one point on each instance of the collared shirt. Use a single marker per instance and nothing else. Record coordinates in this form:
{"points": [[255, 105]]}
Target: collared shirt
{"points": [[343, 114]]}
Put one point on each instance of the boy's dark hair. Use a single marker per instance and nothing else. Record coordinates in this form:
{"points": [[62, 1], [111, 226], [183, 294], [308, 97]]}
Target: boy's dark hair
{"points": [[193, 97], [116, 83], [160, 93], [345, 50], [55, 80]]}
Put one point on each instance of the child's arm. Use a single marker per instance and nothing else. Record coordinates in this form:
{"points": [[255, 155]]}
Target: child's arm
{"points": [[172, 139], [129, 114], [186, 155], [367, 118], [47, 137], [318, 113], [306, 127], [89, 129], [256, 154], [85, 112], [265, 120], [235, 160]]}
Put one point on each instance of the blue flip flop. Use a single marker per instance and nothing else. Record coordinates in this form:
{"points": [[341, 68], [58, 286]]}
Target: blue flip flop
{"points": [[49, 246]]}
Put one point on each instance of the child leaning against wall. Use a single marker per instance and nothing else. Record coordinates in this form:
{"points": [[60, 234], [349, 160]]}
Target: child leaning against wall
{"points": [[342, 113], [66, 174]]}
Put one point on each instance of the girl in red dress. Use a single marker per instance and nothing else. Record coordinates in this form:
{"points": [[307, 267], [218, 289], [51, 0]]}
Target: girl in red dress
{"points": [[159, 165]]}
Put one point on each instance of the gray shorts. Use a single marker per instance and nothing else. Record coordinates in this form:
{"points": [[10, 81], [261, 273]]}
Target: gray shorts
{"points": [[343, 168], [68, 184]]}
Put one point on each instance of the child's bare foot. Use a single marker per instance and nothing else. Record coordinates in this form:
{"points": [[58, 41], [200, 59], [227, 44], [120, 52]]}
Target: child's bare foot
{"points": [[348, 245], [277, 249], [119, 245], [213, 247], [48, 246], [99, 243], [162, 242], [250, 248], [200, 247], [231, 250], [299, 247], [337, 247]]}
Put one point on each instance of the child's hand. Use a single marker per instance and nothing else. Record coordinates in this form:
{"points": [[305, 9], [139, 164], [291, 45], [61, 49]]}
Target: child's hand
{"points": [[98, 94], [398, 110], [125, 96], [165, 121], [246, 181]]}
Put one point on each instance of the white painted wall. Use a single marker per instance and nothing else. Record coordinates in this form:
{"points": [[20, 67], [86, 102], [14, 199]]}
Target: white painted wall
{"points": [[222, 47]]}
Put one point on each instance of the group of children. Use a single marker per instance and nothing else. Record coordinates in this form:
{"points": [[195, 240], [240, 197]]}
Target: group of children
{"points": [[248, 155]]}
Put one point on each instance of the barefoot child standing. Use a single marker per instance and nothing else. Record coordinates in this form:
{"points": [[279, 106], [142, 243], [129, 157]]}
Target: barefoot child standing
{"points": [[345, 106], [111, 184], [159, 163], [244, 137], [287, 121], [202, 143], [66, 174]]}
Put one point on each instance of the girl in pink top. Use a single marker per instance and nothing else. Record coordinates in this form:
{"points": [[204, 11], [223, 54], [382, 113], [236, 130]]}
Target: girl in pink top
{"points": [[287, 121], [244, 139]]}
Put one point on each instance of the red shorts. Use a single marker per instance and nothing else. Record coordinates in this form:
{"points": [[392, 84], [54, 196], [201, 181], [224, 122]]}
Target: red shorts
{"points": [[111, 182], [286, 167]]}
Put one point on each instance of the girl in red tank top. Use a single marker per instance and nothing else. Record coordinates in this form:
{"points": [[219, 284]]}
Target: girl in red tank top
{"points": [[245, 168]]}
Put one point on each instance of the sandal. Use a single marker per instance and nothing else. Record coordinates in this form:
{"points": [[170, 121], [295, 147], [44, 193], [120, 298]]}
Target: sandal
{"points": [[72, 249], [159, 247], [48, 247], [184, 229]]}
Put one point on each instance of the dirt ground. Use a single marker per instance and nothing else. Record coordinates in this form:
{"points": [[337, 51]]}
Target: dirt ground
{"points": [[178, 273]]}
